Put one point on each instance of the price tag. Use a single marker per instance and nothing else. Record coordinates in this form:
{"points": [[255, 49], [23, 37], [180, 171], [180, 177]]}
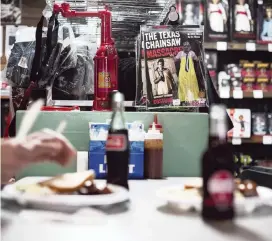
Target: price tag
{"points": [[224, 93], [269, 47], [238, 94], [176, 102], [267, 140], [236, 141], [23, 62], [250, 46], [222, 46], [258, 94]]}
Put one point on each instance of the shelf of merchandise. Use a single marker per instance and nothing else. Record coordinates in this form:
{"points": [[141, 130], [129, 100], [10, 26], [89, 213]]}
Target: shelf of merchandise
{"points": [[4, 94], [239, 46], [266, 140], [83, 103], [259, 94], [129, 46]]}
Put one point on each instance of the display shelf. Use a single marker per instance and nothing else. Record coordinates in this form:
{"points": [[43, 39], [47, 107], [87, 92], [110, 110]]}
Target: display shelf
{"points": [[238, 46], [258, 94], [266, 140], [82, 103]]}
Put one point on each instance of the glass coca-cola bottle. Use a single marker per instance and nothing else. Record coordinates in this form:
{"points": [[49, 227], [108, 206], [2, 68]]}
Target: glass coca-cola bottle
{"points": [[218, 169], [117, 145]]}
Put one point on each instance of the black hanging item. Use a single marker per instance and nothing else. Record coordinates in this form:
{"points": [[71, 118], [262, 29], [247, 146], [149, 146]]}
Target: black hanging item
{"points": [[127, 77], [74, 76], [21, 94]]}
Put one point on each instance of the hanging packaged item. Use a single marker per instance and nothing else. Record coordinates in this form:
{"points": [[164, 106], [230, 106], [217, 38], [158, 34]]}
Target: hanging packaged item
{"points": [[11, 12], [191, 12], [217, 20], [74, 76], [264, 18], [172, 66], [243, 24], [23, 91]]}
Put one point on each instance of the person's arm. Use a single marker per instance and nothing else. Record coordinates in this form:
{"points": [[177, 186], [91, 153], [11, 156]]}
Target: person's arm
{"points": [[158, 77], [46, 145]]}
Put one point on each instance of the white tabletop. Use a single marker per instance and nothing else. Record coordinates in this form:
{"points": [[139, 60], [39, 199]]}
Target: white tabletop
{"points": [[145, 218]]}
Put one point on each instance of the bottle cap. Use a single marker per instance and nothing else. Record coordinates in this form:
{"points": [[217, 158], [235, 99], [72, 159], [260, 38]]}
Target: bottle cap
{"points": [[158, 126], [218, 112], [117, 99], [153, 133]]}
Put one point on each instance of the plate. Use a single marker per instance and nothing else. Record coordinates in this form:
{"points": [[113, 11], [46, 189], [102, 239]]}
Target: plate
{"points": [[11, 192], [176, 196]]}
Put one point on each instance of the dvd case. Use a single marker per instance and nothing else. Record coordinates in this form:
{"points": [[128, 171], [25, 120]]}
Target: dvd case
{"points": [[171, 68]]}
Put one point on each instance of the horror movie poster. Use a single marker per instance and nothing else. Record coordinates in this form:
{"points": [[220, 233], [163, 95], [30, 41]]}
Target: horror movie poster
{"points": [[171, 67]]}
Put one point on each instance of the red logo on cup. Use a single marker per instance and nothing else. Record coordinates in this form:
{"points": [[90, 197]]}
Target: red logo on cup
{"points": [[220, 187], [116, 142]]}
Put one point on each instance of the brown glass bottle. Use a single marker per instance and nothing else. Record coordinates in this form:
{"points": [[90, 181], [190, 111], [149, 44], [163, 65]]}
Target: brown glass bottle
{"points": [[117, 145], [217, 170]]}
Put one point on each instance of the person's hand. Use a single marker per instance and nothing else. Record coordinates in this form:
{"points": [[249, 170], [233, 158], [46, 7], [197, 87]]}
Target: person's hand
{"points": [[45, 145]]}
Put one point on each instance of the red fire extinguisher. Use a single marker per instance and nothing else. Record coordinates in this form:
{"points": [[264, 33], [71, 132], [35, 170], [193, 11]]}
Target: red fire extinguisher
{"points": [[105, 60]]}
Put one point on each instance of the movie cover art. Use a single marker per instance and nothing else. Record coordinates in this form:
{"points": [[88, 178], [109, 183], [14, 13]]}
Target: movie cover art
{"points": [[217, 20], [265, 23], [191, 12], [172, 71], [244, 19]]}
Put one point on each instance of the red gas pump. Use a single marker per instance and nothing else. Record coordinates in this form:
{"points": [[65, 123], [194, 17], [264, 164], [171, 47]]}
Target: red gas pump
{"points": [[106, 59]]}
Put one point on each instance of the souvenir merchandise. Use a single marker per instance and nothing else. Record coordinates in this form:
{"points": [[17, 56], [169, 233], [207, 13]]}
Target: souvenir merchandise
{"points": [[11, 11], [172, 17], [234, 72], [172, 67], [190, 12], [241, 119], [211, 64], [217, 20], [259, 124], [248, 76], [262, 76], [224, 84], [269, 120], [265, 22], [244, 19]]}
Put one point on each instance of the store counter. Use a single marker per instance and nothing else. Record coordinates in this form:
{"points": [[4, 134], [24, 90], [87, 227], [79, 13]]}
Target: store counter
{"points": [[185, 138], [144, 218]]}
